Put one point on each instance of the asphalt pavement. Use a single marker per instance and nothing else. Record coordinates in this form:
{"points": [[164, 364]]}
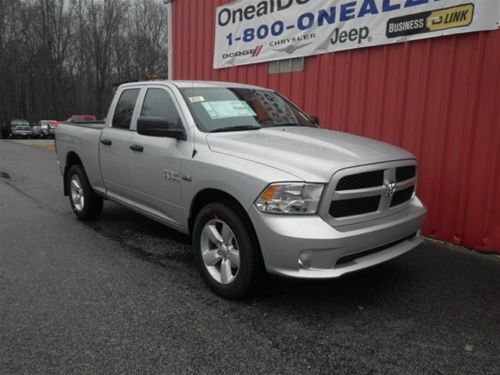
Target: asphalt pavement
{"points": [[122, 296]]}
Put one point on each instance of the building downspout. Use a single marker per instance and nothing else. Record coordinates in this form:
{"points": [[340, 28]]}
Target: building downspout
{"points": [[170, 72]]}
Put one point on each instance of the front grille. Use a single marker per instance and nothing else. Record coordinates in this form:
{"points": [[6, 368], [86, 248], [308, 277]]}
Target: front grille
{"points": [[405, 173], [363, 192], [361, 180], [402, 196], [351, 207]]}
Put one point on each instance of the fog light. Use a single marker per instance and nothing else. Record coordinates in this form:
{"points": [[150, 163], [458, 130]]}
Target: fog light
{"points": [[305, 259]]}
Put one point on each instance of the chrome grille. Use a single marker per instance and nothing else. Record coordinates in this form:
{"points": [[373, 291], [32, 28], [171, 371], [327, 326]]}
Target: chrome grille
{"points": [[358, 193]]}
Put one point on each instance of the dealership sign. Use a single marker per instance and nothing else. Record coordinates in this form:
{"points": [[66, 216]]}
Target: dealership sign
{"points": [[252, 31]]}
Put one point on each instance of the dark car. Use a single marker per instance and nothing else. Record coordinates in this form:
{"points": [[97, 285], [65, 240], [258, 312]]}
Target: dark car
{"points": [[4, 130], [36, 131]]}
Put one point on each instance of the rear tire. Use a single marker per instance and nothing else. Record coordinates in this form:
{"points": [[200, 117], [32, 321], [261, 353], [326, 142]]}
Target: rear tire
{"points": [[86, 204], [226, 251]]}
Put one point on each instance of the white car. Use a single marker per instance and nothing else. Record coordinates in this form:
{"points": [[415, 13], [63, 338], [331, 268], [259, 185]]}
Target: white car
{"points": [[47, 129], [20, 129]]}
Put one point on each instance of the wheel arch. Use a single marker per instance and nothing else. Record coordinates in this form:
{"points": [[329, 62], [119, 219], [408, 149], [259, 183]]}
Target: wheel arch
{"points": [[210, 195], [71, 159]]}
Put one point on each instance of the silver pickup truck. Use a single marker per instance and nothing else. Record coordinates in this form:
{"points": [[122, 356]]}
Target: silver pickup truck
{"points": [[254, 180]]}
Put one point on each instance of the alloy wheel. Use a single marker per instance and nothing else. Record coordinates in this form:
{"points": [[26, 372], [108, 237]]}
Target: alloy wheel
{"points": [[220, 251]]}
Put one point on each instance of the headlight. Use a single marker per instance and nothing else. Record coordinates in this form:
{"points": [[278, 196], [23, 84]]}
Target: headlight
{"points": [[290, 198]]}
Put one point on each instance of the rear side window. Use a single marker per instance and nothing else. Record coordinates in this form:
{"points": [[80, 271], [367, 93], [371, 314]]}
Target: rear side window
{"points": [[158, 103], [125, 108]]}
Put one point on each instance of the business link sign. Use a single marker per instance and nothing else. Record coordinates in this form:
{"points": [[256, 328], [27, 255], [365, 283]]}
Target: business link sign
{"points": [[253, 31]]}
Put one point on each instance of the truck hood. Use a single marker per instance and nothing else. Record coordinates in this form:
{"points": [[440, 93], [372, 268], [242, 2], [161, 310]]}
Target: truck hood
{"points": [[310, 154]]}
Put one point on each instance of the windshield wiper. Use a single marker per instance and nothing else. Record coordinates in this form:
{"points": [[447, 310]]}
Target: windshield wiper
{"points": [[236, 128]]}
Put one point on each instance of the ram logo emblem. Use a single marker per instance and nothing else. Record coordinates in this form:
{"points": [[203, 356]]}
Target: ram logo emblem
{"points": [[390, 189]]}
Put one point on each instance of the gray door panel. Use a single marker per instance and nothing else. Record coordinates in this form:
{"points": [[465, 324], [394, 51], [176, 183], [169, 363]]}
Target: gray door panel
{"points": [[115, 162], [156, 170], [114, 147], [155, 176]]}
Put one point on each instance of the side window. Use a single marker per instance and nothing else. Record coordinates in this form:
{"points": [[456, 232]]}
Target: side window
{"points": [[158, 103], [125, 108]]}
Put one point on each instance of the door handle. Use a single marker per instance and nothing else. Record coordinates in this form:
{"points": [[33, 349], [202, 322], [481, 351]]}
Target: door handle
{"points": [[137, 148], [106, 142]]}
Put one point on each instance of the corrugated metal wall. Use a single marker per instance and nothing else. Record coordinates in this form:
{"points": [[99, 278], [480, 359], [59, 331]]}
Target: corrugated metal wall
{"points": [[438, 98]]}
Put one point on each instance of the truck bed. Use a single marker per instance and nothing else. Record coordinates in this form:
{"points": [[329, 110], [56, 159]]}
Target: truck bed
{"points": [[89, 125], [82, 139]]}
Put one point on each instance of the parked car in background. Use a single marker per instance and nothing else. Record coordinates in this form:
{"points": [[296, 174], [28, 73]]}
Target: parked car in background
{"points": [[52, 127], [45, 128], [20, 129], [36, 131], [82, 118]]}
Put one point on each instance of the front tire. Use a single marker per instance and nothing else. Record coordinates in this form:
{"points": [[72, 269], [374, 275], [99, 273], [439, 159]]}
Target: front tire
{"points": [[226, 251], [86, 204]]}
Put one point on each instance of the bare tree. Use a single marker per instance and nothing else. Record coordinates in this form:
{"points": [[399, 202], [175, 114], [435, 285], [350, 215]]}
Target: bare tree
{"points": [[60, 57], [148, 34]]}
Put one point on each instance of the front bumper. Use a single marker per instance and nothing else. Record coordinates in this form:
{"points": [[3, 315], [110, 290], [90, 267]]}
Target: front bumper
{"points": [[308, 247]]}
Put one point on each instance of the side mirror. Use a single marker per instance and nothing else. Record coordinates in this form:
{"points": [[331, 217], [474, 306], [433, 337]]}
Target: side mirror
{"points": [[315, 119], [158, 127]]}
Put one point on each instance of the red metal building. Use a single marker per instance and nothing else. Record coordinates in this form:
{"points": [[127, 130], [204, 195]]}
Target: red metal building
{"points": [[439, 98]]}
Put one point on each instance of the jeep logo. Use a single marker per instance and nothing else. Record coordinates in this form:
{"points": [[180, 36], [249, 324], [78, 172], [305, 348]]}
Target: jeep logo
{"points": [[353, 35]]}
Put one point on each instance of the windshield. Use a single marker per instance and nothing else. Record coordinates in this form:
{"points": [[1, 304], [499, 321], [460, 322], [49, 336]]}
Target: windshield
{"points": [[231, 109], [20, 123]]}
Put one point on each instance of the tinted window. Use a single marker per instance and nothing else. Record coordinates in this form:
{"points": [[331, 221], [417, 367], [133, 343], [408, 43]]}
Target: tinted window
{"points": [[158, 103], [125, 109]]}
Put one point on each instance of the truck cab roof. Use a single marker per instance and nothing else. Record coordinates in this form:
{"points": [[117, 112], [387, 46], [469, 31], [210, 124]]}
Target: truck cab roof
{"points": [[192, 84]]}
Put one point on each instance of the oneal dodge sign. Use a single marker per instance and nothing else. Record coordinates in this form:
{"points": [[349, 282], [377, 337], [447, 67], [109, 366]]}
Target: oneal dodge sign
{"points": [[252, 31]]}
